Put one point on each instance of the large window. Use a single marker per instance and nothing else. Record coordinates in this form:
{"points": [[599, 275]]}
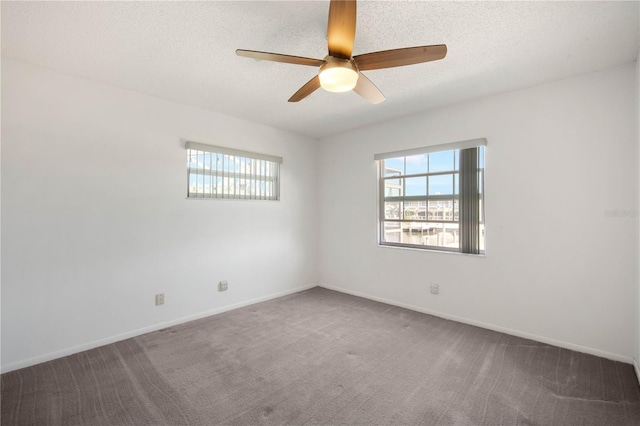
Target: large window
{"points": [[433, 197], [225, 173]]}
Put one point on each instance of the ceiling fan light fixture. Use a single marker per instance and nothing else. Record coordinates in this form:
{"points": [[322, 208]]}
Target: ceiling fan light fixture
{"points": [[340, 70], [338, 75]]}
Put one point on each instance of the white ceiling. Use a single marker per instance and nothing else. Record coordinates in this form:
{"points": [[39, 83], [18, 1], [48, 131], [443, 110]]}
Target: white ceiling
{"points": [[185, 51]]}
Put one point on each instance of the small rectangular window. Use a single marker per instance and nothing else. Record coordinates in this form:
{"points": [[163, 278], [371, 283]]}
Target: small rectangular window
{"points": [[226, 173], [433, 198]]}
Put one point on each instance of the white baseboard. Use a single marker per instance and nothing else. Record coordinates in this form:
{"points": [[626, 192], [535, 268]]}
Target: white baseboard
{"points": [[116, 338], [489, 326], [635, 366]]}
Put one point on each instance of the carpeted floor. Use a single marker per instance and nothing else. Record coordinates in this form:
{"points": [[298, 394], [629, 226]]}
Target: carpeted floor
{"points": [[323, 358]]}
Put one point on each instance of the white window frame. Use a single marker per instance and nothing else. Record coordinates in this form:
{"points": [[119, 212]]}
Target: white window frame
{"points": [[221, 173], [401, 198]]}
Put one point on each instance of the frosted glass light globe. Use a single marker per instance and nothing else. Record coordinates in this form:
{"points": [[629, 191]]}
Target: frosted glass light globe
{"points": [[338, 78]]}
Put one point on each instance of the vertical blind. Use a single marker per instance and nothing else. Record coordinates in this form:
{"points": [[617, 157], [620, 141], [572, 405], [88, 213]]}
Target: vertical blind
{"points": [[226, 173], [469, 201]]}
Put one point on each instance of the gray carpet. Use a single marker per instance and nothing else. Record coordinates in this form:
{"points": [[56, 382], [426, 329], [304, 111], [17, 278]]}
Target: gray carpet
{"points": [[323, 358]]}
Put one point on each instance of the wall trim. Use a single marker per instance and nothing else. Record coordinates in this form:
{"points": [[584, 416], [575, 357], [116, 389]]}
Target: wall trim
{"points": [[635, 367], [155, 327], [489, 326]]}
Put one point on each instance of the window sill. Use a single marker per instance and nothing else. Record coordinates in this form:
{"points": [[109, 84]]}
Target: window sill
{"points": [[430, 250]]}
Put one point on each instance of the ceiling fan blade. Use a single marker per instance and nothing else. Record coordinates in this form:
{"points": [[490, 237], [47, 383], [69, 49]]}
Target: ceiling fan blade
{"points": [[400, 57], [368, 90], [341, 30], [310, 87], [277, 57]]}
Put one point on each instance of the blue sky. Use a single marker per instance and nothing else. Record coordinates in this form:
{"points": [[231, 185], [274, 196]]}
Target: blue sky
{"points": [[429, 163]]}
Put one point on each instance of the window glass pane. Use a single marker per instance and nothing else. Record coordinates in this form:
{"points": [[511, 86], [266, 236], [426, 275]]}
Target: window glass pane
{"points": [[443, 235], [224, 164], [456, 210], [448, 209], [456, 184], [456, 161], [393, 166], [412, 210], [393, 210], [206, 184], [415, 186], [416, 164], [443, 210], [415, 232], [441, 161], [435, 210], [441, 185], [193, 159], [392, 232], [217, 189], [393, 187], [193, 185]]}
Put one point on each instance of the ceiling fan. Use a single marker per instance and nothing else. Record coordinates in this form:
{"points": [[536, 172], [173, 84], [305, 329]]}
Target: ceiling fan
{"points": [[339, 71]]}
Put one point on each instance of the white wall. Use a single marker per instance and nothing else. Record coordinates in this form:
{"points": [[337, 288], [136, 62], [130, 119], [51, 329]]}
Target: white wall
{"points": [[637, 339], [95, 220], [556, 268]]}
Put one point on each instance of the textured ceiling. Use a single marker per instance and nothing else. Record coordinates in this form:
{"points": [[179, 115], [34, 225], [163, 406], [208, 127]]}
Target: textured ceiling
{"points": [[185, 51]]}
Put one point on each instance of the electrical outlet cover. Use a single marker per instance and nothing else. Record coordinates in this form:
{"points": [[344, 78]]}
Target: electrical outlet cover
{"points": [[159, 299]]}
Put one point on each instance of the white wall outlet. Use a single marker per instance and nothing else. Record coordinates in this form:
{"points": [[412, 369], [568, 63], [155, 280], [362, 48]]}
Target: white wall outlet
{"points": [[434, 289], [223, 286], [159, 299]]}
